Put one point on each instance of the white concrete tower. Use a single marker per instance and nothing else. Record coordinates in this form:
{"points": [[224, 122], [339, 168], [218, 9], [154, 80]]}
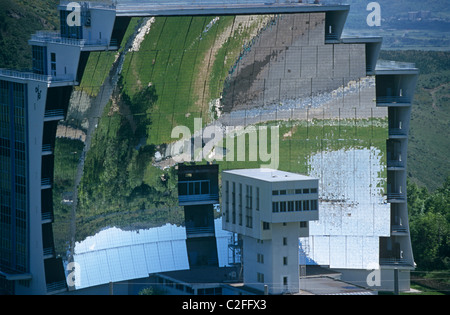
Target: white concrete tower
{"points": [[271, 210]]}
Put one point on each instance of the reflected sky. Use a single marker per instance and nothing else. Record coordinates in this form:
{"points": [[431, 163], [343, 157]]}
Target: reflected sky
{"points": [[352, 212], [114, 255]]}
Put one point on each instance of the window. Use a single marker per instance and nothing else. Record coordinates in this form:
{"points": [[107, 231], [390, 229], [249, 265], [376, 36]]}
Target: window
{"points": [[260, 277], [194, 188], [305, 205], [298, 205], [306, 191], [304, 224], [257, 198], [275, 207], [266, 226], [249, 196], [314, 204], [313, 190], [285, 280], [233, 203], [290, 206], [240, 204], [282, 192], [284, 241], [275, 192], [298, 191], [260, 258], [227, 201], [39, 59], [285, 260], [283, 206]]}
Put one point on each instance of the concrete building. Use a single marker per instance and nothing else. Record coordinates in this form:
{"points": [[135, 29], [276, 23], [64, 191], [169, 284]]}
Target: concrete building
{"points": [[32, 103], [198, 192], [301, 57], [271, 209]]}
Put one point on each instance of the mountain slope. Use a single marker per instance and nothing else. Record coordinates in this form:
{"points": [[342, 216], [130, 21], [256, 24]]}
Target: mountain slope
{"points": [[19, 19]]}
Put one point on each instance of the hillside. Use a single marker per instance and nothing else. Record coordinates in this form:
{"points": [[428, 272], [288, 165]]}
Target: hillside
{"points": [[18, 20], [428, 149], [405, 24]]}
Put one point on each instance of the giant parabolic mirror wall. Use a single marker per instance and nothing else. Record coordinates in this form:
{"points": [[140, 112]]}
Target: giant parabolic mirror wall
{"points": [[115, 152]]}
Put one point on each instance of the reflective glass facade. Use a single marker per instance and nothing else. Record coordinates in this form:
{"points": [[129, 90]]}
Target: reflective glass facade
{"points": [[39, 59], [13, 177], [286, 71]]}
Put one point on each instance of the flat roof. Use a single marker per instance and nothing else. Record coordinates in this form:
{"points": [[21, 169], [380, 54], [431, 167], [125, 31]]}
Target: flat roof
{"points": [[217, 7], [269, 175]]}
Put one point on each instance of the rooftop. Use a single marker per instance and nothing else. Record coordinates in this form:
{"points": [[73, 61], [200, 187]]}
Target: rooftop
{"points": [[395, 67], [269, 175], [207, 7]]}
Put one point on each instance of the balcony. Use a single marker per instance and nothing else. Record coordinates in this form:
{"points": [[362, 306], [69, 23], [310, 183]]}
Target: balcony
{"points": [[55, 37], [29, 75], [56, 287], [393, 101], [49, 252], [331, 37], [46, 183], [396, 164], [46, 216], [398, 229], [54, 114], [47, 149], [394, 197], [196, 192], [397, 133], [393, 261], [198, 199], [199, 231]]}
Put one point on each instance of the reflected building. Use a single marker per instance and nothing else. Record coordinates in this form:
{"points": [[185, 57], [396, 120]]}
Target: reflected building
{"points": [[344, 117], [198, 192]]}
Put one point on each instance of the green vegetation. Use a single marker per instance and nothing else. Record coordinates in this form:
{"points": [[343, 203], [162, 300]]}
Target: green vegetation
{"points": [[117, 187], [67, 155], [428, 149], [18, 20], [429, 215], [298, 140], [399, 29]]}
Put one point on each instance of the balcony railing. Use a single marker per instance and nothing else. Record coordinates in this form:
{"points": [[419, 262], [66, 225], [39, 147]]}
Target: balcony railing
{"points": [[54, 114], [395, 163], [393, 261], [393, 99], [331, 36], [396, 196], [47, 149], [394, 65], [399, 229], [47, 216], [199, 230], [197, 198], [46, 183], [370, 68], [397, 132], [29, 75], [56, 286], [48, 251], [55, 37]]}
